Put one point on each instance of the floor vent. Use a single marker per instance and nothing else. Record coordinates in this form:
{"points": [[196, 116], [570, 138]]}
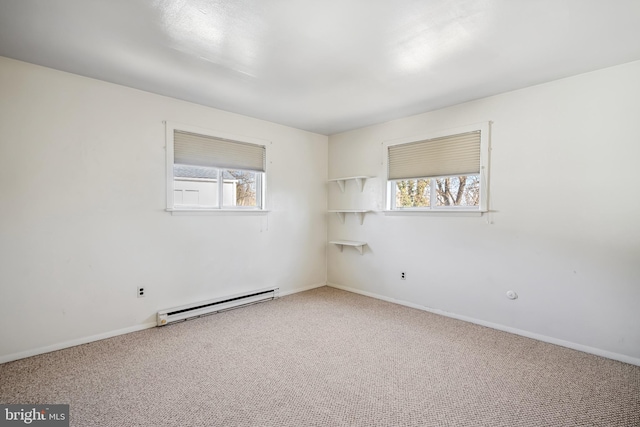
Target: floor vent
{"points": [[204, 308]]}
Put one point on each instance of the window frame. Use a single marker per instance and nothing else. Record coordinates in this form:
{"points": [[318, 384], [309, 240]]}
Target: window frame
{"points": [[261, 181], [389, 190]]}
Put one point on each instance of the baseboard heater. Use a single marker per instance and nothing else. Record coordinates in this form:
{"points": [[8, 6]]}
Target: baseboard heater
{"points": [[204, 308]]}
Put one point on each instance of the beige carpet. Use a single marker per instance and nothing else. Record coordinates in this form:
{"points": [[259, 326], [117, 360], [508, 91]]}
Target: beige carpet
{"points": [[327, 358]]}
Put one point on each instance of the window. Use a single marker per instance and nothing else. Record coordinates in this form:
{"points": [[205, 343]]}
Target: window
{"points": [[442, 172], [209, 171]]}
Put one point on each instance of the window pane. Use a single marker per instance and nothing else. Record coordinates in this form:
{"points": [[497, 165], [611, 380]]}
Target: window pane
{"points": [[412, 193], [239, 188], [195, 186], [458, 191]]}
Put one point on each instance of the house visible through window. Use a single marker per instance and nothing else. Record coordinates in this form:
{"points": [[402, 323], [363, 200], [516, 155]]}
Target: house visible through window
{"points": [[207, 171], [441, 173]]}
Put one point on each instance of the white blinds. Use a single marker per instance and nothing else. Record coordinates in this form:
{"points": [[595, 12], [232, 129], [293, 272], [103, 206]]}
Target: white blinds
{"points": [[449, 155], [201, 150]]}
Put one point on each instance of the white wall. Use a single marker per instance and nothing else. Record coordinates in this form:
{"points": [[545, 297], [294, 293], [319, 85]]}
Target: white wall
{"points": [[564, 231], [77, 238], [82, 220]]}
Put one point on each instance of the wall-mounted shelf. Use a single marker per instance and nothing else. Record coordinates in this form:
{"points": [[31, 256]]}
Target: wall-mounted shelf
{"points": [[360, 180], [342, 243], [341, 214]]}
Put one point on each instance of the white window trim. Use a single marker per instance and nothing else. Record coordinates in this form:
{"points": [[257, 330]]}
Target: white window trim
{"points": [[170, 127], [485, 129]]}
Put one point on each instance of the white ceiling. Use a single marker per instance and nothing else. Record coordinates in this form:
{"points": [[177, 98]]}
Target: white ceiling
{"points": [[323, 65]]}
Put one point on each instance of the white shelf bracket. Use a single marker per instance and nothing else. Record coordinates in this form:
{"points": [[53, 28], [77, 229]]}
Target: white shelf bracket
{"points": [[342, 182], [359, 246], [342, 214]]}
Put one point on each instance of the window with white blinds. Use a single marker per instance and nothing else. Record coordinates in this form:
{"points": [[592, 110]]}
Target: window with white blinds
{"points": [[201, 150], [446, 171], [448, 155], [210, 171]]}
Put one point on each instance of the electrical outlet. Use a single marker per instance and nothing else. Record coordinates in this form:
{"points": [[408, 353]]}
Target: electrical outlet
{"points": [[403, 276], [140, 292]]}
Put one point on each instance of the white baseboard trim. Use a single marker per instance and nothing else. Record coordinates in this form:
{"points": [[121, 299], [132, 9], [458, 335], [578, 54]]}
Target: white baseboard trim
{"points": [[73, 343], [111, 334], [586, 349], [306, 288]]}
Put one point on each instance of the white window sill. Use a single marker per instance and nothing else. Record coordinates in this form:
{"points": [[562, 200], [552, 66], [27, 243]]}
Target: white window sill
{"points": [[177, 211], [435, 212]]}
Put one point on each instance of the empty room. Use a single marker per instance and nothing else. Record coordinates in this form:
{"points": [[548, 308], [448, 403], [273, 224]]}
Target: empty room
{"points": [[319, 213]]}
